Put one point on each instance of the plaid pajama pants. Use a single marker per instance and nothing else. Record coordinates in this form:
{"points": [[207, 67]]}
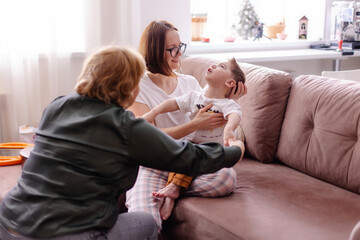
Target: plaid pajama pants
{"points": [[140, 198]]}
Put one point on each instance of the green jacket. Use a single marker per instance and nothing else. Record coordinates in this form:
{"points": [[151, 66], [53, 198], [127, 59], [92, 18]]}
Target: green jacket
{"points": [[86, 154]]}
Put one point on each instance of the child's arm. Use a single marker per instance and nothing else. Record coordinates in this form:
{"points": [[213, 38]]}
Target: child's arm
{"points": [[233, 122], [169, 105]]}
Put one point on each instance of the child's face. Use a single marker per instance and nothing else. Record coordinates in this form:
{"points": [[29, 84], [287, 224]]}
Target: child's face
{"points": [[218, 74]]}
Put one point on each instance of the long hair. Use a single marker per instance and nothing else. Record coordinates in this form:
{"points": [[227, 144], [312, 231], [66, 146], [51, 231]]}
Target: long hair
{"points": [[152, 47]]}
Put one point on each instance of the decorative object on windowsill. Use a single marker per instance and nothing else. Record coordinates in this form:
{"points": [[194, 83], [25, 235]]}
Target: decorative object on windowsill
{"points": [[281, 36], [272, 30], [229, 39], [340, 43], [342, 15], [350, 33], [258, 31], [205, 39], [246, 20], [198, 24], [303, 27]]}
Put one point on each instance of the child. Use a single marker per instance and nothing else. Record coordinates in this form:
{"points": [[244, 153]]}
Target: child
{"points": [[221, 79]]}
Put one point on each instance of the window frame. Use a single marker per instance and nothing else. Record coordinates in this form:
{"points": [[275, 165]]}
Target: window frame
{"points": [[249, 45]]}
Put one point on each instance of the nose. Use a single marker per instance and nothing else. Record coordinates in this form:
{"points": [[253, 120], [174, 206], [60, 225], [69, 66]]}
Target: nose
{"points": [[213, 66]]}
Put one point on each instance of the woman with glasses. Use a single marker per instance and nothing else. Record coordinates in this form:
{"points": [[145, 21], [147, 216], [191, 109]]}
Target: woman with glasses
{"points": [[162, 49]]}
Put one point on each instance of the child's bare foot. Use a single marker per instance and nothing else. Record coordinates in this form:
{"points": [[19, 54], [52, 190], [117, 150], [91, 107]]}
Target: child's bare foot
{"points": [[166, 208], [170, 191]]}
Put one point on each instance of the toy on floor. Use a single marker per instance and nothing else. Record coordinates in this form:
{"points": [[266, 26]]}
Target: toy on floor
{"points": [[12, 160]]}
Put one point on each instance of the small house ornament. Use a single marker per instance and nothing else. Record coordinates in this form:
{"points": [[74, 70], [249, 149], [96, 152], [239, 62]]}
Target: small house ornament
{"points": [[303, 26]]}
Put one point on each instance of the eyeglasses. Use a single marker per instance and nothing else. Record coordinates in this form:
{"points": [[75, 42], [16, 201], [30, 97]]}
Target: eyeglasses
{"points": [[174, 51]]}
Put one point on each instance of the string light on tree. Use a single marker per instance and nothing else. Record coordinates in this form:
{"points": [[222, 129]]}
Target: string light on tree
{"points": [[246, 20]]}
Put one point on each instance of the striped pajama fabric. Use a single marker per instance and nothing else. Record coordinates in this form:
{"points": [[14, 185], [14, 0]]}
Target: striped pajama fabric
{"points": [[140, 198]]}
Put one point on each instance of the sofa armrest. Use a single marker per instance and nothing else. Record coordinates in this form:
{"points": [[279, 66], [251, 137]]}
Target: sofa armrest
{"points": [[355, 233]]}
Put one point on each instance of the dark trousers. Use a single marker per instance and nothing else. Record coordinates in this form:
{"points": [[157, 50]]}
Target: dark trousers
{"points": [[129, 226]]}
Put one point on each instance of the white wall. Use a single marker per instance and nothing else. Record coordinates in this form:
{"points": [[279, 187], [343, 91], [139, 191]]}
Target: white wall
{"points": [[113, 25], [175, 11]]}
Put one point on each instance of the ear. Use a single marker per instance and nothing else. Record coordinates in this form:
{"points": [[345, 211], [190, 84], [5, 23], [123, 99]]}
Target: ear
{"points": [[230, 83]]}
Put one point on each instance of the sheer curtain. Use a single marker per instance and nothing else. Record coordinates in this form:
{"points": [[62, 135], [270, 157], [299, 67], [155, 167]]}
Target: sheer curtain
{"points": [[42, 46]]}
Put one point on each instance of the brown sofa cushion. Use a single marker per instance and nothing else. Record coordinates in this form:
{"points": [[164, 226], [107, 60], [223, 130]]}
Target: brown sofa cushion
{"points": [[263, 107], [321, 129], [272, 202]]}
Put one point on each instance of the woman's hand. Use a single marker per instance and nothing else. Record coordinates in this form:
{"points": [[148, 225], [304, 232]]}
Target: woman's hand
{"points": [[241, 91], [207, 121]]}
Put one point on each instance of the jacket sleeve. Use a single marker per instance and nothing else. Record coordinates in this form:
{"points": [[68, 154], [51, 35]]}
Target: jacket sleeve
{"points": [[150, 147]]}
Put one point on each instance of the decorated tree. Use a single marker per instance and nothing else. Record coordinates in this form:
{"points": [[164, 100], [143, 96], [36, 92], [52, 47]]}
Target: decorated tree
{"points": [[246, 20]]}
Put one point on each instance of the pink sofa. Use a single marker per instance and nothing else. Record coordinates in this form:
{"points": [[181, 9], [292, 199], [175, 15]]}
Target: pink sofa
{"points": [[300, 179], [301, 176]]}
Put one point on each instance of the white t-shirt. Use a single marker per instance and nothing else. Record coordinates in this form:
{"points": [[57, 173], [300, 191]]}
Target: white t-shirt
{"points": [[152, 95], [194, 101]]}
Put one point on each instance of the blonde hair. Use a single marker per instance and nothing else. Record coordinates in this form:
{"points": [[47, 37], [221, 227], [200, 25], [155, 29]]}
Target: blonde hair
{"points": [[111, 74]]}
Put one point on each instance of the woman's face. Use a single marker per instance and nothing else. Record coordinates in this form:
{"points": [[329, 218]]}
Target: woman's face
{"points": [[172, 40]]}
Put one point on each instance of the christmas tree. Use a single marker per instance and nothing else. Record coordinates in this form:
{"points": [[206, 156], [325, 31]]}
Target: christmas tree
{"points": [[246, 20]]}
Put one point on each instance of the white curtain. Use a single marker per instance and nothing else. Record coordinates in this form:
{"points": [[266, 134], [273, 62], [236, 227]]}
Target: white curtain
{"points": [[42, 46]]}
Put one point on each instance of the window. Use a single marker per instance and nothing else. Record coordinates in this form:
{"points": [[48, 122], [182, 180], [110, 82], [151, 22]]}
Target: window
{"points": [[221, 15], [42, 26]]}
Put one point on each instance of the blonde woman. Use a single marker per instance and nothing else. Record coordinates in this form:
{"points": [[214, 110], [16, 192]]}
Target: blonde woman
{"points": [[87, 152]]}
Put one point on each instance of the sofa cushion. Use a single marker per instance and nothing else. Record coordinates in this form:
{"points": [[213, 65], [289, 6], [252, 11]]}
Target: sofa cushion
{"points": [[321, 129], [263, 106], [272, 202]]}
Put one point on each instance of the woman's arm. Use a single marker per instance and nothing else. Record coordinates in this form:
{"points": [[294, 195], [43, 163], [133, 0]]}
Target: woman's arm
{"points": [[202, 121], [160, 151], [139, 109]]}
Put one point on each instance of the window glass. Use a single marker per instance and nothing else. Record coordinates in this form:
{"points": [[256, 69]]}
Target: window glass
{"points": [[221, 16], [42, 26]]}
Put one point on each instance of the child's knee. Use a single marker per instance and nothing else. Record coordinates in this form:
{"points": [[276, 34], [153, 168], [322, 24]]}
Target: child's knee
{"points": [[231, 179]]}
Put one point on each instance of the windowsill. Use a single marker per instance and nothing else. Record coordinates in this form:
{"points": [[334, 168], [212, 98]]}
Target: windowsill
{"points": [[246, 46], [279, 55]]}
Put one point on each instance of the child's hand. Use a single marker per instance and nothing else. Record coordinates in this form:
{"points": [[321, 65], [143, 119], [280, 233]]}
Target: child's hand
{"points": [[228, 134], [149, 117]]}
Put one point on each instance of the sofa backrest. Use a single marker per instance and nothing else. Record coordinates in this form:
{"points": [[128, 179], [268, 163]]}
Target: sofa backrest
{"points": [[321, 129], [263, 106]]}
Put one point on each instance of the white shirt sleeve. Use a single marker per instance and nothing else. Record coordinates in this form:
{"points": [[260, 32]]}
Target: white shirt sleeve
{"points": [[231, 107], [185, 101]]}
